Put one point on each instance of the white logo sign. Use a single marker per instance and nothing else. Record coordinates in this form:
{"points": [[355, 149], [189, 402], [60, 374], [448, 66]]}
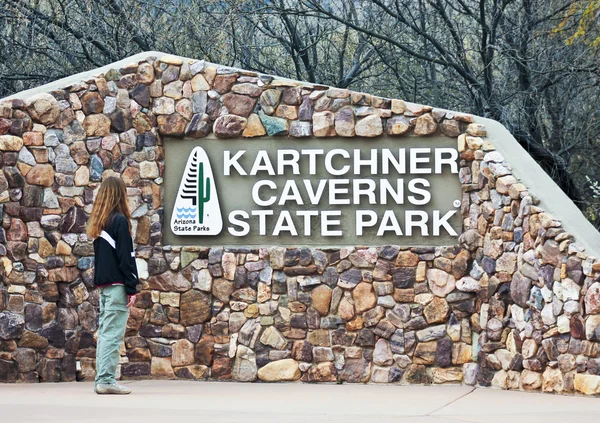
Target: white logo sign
{"points": [[197, 210]]}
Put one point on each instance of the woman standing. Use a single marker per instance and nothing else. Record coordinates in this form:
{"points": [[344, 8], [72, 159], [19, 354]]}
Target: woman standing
{"points": [[115, 276]]}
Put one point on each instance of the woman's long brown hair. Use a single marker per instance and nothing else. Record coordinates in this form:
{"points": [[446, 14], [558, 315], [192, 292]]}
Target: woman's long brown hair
{"points": [[112, 197]]}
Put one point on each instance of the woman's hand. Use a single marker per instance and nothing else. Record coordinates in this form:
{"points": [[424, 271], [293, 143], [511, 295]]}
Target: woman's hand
{"points": [[130, 300]]}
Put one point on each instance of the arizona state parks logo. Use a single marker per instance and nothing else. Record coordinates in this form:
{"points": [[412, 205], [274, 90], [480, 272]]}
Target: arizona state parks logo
{"points": [[197, 210]]}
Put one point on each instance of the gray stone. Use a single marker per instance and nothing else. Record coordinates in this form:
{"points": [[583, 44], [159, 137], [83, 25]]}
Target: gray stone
{"points": [[244, 367]]}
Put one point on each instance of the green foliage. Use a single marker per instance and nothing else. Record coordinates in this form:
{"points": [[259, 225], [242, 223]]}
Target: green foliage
{"points": [[582, 21], [203, 193]]}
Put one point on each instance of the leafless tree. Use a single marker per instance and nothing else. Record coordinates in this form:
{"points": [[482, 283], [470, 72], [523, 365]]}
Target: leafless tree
{"points": [[503, 59]]}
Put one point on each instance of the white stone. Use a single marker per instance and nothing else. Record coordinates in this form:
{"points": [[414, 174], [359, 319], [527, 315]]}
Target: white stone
{"points": [[571, 290], [148, 170], [546, 294], [518, 315], [571, 307], [203, 281], [142, 267], [467, 284], [382, 355], [563, 324], [557, 288], [547, 315]]}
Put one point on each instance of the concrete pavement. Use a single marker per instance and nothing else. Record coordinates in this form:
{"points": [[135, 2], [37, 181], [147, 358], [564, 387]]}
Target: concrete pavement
{"points": [[162, 401]]}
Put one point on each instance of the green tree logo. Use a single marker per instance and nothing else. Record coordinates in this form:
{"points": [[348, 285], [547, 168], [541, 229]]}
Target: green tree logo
{"points": [[196, 187]]}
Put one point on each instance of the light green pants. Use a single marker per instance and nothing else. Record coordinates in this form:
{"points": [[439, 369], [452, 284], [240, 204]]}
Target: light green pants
{"points": [[113, 321]]}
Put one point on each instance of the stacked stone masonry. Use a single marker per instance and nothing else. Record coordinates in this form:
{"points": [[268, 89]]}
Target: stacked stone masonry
{"points": [[514, 305]]}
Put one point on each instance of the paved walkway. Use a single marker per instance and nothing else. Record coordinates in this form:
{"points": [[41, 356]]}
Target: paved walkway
{"points": [[180, 401]]}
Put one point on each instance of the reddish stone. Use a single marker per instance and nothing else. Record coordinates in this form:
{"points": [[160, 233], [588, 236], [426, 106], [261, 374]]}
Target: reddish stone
{"points": [[240, 105], [41, 174], [577, 325], [172, 125], [195, 307], [223, 83], [229, 126], [92, 103], [221, 368], [17, 231], [5, 125], [205, 350]]}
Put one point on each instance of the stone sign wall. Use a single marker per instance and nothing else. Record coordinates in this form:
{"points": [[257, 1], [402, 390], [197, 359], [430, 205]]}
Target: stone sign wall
{"points": [[514, 305]]}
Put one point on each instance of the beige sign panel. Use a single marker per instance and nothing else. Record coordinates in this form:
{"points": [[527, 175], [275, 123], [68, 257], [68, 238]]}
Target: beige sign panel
{"points": [[317, 192]]}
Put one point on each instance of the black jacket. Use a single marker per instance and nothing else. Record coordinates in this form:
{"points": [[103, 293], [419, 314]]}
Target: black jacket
{"points": [[115, 256]]}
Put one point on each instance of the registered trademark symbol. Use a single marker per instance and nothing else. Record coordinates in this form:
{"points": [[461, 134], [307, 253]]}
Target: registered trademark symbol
{"points": [[456, 203]]}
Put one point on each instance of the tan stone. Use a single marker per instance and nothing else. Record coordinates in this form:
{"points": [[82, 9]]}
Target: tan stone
{"points": [[199, 83], [33, 139], [425, 125], [397, 125], [10, 143], [448, 375], [552, 380], [41, 174], [461, 354], [364, 297], [183, 353], [131, 176], [97, 125], [43, 108], [321, 299], [476, 130], [171, 299], [462, 143], [263, 292], [319, 337], [82, 176], [174, 90], [407, 259], [369, 126], [436, 311], [398, 106], [287, 112], [271, 336], [346, 309], [149, 170], [24, 168], [440, 282], [421, 271], [160, 367], [254, 127], [531, 381], [63, 249], [587, 384], [404, 295], [45, 249], [504, 183], [425, 353], [355, 324], [279, 371], [338, 93], [474, 143], [323, 124], [145, 73], [251, 311]]}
